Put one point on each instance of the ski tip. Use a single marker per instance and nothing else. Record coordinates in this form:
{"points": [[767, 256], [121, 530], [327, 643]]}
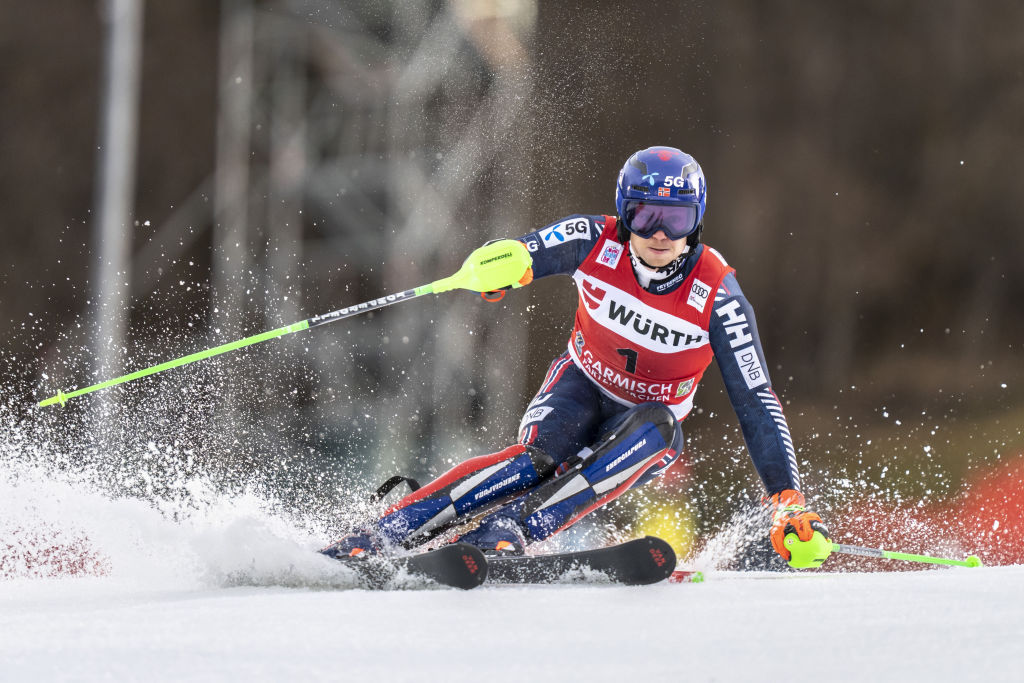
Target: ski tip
{"points": [[685, 576]]}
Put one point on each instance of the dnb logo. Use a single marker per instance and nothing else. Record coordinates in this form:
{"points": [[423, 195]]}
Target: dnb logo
{"points": [[592, 295]]}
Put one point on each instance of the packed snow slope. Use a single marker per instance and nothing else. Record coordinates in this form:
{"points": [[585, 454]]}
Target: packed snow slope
{"points": [[230, 587], [149, 563], [946, 625]]}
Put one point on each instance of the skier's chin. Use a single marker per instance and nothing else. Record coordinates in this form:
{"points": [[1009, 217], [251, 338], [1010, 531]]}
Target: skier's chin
{"points": [[658, 257]]}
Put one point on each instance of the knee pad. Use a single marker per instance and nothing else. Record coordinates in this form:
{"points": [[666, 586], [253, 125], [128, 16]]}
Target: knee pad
{"points": [[653, 412], [640, 440], [675, 447]]}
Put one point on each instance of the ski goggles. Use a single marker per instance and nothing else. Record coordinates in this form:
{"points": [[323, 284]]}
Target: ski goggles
{"points": [[644, 219]]}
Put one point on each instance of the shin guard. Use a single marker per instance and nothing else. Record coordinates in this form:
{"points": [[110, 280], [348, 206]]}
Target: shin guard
{"points": [[478, 482]]}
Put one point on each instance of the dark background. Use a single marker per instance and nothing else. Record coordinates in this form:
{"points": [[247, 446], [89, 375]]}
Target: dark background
{"points": [[863, 164]]}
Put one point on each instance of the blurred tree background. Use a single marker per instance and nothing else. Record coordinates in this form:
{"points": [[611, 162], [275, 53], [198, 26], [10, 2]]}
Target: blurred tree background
{"points": [[863, 163]]}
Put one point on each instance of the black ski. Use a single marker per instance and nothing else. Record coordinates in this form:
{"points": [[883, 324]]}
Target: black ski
{"points": [[458, 565], [634, 563]]}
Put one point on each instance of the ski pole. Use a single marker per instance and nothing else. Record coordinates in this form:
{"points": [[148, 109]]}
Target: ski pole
{"points": [[971, 561], [497, 265], [814, 552]]}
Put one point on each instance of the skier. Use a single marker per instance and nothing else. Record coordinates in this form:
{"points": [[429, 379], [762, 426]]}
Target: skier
{"points": [[655, 307]]}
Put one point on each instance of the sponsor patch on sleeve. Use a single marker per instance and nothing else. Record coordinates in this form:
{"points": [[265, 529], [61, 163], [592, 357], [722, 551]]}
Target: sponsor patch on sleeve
{"points": [[750, 367], [534, 415], [566, 231]]}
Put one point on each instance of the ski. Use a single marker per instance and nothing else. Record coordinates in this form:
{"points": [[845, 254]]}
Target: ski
{"points": [[634, 563], [458, 565]]}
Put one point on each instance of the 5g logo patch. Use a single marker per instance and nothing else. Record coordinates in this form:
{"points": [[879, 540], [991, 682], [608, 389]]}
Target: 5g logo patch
{"points": [[566, 231]]}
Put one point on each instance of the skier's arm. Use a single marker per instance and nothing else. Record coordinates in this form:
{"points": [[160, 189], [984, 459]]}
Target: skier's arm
{"points": [[559, 248], [556, 248], [737, 348]]}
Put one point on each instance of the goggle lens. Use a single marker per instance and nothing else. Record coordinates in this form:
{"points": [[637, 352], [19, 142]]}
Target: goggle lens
{"points": [[645, 219]]}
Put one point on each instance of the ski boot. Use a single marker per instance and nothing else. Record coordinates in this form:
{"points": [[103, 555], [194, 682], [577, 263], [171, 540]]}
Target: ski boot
{"points": [[497, 536], [364, 542]]}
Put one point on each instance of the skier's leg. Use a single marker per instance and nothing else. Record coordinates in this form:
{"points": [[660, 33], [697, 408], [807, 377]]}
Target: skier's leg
{"points": [[646, 437], [477, 482], [562, 416], [565, 414], [668, 458]]}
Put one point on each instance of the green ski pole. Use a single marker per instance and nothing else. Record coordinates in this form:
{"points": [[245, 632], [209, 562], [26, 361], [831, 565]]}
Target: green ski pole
{"points": [[971, 561], [497, 265], [814, 552]]}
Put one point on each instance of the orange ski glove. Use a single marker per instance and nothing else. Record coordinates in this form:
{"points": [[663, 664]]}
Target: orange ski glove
{"points": [[790, 517]]}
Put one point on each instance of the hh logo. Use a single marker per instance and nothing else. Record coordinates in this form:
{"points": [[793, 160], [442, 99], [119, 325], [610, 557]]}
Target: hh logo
{"points": [[592, 295]]}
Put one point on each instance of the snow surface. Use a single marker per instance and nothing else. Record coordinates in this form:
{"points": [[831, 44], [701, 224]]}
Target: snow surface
{"points": [[946, 625], [189, 581], [237, 591]]}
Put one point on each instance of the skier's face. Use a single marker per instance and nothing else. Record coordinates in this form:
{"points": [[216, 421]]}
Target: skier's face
{"points": [[658, 250]]}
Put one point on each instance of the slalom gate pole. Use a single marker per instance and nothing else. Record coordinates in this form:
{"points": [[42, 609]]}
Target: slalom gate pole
{"points": [[971, 561], [494, 266]]}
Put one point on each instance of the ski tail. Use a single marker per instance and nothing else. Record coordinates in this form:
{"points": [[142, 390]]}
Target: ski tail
{"points": [[458, 565], [638, 562]]}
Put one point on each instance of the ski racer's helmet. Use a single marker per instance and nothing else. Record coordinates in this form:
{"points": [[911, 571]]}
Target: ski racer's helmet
{"points": [[661, 188]]}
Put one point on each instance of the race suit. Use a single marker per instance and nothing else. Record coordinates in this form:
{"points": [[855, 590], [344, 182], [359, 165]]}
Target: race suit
{"points": [[632, 344]]}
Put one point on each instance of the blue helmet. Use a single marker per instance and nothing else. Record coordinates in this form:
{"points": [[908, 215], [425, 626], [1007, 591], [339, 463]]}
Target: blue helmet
{"points": [[661, 188]]}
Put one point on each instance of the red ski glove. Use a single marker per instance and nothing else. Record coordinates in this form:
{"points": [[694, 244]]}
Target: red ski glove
{"points": [[790, 517]]}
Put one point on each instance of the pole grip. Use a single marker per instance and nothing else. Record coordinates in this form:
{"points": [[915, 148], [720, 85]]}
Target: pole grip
{"points": [[496, 265]]}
